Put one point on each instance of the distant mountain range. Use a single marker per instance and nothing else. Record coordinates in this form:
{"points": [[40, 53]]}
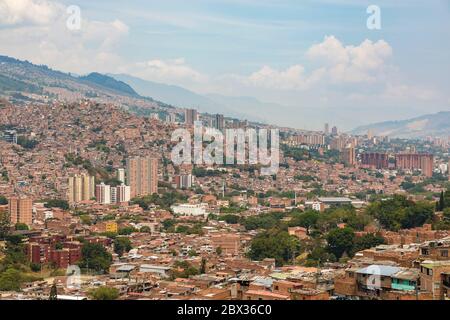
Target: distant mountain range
{"points": [[110, 83], [242, 107], [23, 81], [181, 97], [437, 124]]}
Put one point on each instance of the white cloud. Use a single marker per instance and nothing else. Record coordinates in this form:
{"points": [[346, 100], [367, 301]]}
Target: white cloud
{"points": [[13, 12], [175, 71], [352, 64], [336, 64], [36, 31], [330, 72], [292, 78]]}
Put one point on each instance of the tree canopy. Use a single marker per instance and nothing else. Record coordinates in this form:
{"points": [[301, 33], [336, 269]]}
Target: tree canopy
{"points": [[122, 245], [3, 200], [95, 257], [104, 293], [341, 241], [400, 213], [57, 203], [276, 244]]}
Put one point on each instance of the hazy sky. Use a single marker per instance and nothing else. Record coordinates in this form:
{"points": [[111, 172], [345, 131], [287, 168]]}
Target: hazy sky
{"points": [[299, 53]]}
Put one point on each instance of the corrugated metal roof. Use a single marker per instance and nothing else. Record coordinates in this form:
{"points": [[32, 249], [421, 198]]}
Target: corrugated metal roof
{"points": [[126, 268], [381, 270]]}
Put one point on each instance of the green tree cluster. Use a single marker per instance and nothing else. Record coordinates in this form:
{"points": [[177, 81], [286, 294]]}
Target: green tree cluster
{"points": [[166, 200], [57, 203], [104, 293], [344, 242], [122, 245], [183, 269], [95, 257], [400, 213], [263, 221], [3, 200], [276, 244]]}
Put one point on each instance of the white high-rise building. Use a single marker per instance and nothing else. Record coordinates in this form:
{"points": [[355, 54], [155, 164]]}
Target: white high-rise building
{"points": [[121, 175], [113, 195], [103, 193], [122, 194], [448, 168], [171, 118]]}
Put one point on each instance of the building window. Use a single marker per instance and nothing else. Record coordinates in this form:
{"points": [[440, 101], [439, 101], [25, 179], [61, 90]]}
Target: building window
{"points": [[444, 253]]}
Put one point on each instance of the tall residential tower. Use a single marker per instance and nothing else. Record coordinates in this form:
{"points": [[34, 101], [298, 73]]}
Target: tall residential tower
{"points": [[142, 176]]}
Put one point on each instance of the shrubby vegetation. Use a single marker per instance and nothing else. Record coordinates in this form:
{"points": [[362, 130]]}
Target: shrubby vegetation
{"points": [[122, 245], [14, 267], [400, 213], [172, 226], [3, 200], [263, 221], [183, 269], [27, 143], [104, 293], [57, 203], [229, 218], [165, 200]]}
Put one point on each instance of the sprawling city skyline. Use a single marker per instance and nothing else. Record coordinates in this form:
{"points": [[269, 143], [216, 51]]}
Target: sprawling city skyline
{"points": [[240, 151]]}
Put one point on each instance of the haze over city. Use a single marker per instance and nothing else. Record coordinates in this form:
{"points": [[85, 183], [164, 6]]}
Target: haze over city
{"points": [[311, 61]]}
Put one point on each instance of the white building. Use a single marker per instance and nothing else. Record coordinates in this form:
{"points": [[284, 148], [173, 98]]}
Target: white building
{"points": [[113, 195], [190, 209], [171, 118], [120, 194], [123, 193], [103, 193], [121, 175]]}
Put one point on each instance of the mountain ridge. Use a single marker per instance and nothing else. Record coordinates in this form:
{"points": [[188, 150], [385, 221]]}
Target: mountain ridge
{"points": [[109, 82], [437, 124], [183, 97], [25, 81]]}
